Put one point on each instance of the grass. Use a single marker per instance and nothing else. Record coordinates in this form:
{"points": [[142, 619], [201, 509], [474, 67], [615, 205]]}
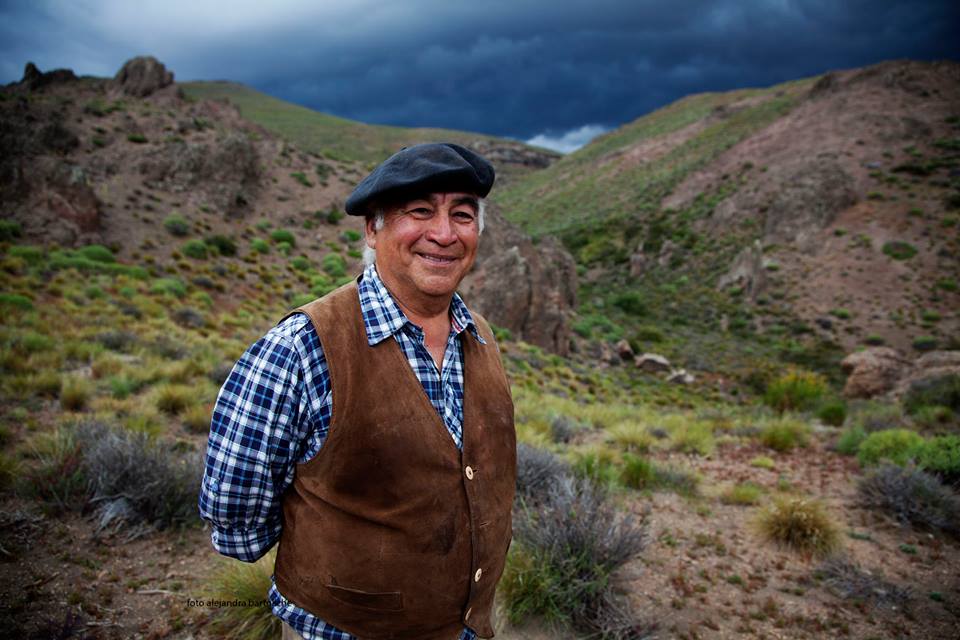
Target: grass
{"points": [[174, 399], [75, 393], [802, 524], [742, 494], [53, 474], [795, 391], [785, 434], [249, 583]]}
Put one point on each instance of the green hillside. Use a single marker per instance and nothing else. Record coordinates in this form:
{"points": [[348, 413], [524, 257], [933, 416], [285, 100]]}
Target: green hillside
{"points": [[337, 138]]}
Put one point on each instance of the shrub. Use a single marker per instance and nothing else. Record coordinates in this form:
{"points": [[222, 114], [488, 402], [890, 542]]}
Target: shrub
{"points": [[682, 481], [282, 235], [197, 419], [598, 464], [136, 481], [173, 399], [55, 476], [75, 393], [693, 436], [334, 216], [895, 445], [850, 439], [351, 235], [796, 390], [847, 580], [912, 497], [96, 253], [743, 494], [118, 340], [930, 417], [833, 412], [224, 245], [10, 230], [301, 178], [801, 524], [169, 286], [631, 303], [785, 434], [899, 250], [940, 456], [259, 245], [16, 301], [631, 435], [334, 265], [638, 472], [763, 462], [942, 391], [194, 248], [564, 554], [538, 471], [176, 224], [300, 263], [924, 343], [246, 582], [137, 138]]}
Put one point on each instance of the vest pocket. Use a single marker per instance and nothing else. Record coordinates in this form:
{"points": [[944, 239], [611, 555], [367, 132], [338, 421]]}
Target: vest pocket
{"points": [[388, 601]]}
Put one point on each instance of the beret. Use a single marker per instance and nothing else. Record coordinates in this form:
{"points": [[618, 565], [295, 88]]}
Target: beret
{"points": [[420, 169]]}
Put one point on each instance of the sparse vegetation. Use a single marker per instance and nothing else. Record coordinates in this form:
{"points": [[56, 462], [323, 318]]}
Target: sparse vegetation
{"points": [[176, 225], [912, 496], [795, 390], [249, 583], [899, 250], [802, 524], [785, 434]]}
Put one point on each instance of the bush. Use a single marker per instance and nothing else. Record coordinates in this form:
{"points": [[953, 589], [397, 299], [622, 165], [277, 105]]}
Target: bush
{"points": [[599, 465], [169, 286], [899, 250], [96, 253], [879, 417], [763, 462], [801, 524], [75, 393], [895, 445], [137, 138], [638, 472], [942, 391], [334, 216], [833, 412], [743, 494], [847, 580], [796, 390], [300, 263], [693, 436], [538, 471], [10, 230], [196, 249], [176, 224], [247, 582], [224, 245], [631, 303], [173, 399], [912, 497], [563, 556], [16, 301], [282, 235], [850, 439], [924, 343], [334, 265], [136, 481], [941, 457], [351, 235], [631, 435], [55, 476], [259, 245], [785, 434]]}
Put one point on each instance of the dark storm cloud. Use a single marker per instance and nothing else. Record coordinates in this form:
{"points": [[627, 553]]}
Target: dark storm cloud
{"points": [[514, 68]]}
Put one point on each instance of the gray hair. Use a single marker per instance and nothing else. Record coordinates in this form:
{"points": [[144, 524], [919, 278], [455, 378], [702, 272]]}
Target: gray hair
{"points": [[370, 255]]}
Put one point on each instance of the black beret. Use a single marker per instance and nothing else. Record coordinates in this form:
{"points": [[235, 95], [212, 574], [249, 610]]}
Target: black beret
{"points": [[421, 169]]}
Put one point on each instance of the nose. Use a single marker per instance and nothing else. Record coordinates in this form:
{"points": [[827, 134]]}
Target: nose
{"points": [[441, 230]]}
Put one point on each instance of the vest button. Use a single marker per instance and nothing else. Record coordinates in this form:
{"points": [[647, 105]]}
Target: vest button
{"points": [[469, 472], [476, 576], [466, 616]]}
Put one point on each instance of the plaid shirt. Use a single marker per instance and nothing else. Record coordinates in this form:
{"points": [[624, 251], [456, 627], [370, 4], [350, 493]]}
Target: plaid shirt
{"points": [[273, 412]]}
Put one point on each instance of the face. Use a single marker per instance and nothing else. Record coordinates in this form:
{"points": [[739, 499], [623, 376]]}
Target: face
{"points": [[426, 246]]}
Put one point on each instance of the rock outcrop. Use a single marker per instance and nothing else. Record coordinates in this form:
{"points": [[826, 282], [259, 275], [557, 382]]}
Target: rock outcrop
{"points": [[928, 369], [141, 76], [873, 372], [527, 288]]}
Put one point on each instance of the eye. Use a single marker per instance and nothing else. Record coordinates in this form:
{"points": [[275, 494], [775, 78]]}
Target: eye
{"points": [[420, 212], [465, 216]]}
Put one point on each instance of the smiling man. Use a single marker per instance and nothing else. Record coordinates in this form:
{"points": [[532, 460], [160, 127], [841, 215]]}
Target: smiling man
{"points": [[371, 431]]}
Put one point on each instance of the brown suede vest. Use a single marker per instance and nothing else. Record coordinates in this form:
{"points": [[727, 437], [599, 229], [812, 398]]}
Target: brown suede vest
{"points": [[391, 532]]}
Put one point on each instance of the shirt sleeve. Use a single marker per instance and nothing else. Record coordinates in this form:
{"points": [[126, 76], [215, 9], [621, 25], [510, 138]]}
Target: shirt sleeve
{"points": [[261, 422]]}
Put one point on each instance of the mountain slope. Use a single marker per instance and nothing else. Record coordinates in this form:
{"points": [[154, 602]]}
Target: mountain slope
{"points": [[811, 217]]}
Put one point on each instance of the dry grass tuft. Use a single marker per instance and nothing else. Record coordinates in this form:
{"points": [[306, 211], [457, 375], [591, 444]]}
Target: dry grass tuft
{"points": [[802, 524]]}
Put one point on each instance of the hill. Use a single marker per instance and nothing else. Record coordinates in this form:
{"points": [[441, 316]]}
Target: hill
{"points": [[807, 219], [342, 139]]}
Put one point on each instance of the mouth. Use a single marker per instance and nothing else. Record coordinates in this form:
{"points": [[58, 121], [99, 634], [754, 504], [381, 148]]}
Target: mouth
{"points": [[438, 259]]}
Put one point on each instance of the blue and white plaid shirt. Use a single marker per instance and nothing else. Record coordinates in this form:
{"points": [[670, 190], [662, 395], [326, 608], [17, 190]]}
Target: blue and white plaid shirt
{"points": [[273, 412]]}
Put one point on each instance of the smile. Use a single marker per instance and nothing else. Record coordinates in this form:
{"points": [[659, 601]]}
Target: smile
{"points": [[437, 259]]}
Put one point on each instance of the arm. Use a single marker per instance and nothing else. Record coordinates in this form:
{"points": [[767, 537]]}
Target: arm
{"points": [[267, 417]]}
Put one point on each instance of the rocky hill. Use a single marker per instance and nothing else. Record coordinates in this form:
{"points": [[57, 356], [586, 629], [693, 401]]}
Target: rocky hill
{"points": [[136, 164], [819, 215]]}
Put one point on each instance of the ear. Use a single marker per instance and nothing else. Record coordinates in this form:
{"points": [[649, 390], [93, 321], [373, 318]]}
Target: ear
{"points": [[370, 234]]}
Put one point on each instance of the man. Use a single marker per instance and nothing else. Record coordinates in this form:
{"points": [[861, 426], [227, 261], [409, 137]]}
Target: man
{"points": [[371, 431]]}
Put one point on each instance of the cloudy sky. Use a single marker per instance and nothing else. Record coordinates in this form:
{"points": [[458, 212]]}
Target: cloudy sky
{"points": [[553, 72]]}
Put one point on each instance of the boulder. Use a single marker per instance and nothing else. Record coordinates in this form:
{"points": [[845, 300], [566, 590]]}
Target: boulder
{"points": [[652, 363], [680, 376], [873, 372], [746, 272], [142, 76], [624, 350]]}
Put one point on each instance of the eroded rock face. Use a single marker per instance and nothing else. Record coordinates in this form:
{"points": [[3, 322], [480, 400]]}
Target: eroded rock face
{"points": [[526, 288], [746, 272], [142, 76], [929, 368], [873, 372]]}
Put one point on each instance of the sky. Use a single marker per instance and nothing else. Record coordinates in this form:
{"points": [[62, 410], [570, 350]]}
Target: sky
{"points": [[553, 72]]}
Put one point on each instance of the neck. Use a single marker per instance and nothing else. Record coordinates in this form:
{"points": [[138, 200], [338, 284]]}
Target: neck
{"points": [[424, 311]]}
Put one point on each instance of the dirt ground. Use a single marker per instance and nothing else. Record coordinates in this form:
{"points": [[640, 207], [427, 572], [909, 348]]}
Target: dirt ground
{"points": [[705, 573]]}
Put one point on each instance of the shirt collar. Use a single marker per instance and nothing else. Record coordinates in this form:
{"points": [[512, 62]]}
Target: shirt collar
{"points": [[382, 317]]}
